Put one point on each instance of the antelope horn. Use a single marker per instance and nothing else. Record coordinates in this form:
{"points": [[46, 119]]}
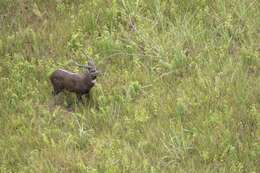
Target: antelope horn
{"points": [[80, 65]]}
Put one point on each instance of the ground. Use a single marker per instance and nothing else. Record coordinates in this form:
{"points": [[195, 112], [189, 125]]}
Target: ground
{"points": [[179, 89]]}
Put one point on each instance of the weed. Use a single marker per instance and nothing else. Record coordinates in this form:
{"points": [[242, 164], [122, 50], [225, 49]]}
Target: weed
{"points": [[179, 89]]}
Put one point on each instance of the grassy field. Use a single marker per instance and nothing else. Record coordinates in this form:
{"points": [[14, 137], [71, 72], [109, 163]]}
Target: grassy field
{"points": [[179, 89]]}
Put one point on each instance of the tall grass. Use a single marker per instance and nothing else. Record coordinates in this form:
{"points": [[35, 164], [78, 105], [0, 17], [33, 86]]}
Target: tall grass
{"points": [[179, 90]]}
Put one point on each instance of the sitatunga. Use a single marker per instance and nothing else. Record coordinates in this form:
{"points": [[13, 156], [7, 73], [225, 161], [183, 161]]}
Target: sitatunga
{"points": [[80, 84]]}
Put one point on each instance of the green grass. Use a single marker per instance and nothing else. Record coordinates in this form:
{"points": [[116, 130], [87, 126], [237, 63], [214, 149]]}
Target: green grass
{"points": [[179, 89]]}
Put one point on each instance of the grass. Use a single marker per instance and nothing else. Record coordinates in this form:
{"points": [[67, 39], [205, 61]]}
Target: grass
{"points": [[179, 90]]}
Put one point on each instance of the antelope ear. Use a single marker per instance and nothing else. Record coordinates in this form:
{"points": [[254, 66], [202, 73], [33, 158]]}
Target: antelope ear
{"points": [[91, 62], [94, 73]]}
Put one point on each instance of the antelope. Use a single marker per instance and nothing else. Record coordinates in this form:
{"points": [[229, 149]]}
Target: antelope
{"points": [[80, 84]]}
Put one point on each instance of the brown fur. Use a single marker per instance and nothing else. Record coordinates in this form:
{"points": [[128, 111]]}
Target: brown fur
{"points": [[80, 84]]}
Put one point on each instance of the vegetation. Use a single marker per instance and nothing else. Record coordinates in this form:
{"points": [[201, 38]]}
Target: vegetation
{"points": [[179, 89]]}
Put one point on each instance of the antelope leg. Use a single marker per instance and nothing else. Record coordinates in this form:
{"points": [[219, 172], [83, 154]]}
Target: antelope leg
{"points": [[79, 96]]}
